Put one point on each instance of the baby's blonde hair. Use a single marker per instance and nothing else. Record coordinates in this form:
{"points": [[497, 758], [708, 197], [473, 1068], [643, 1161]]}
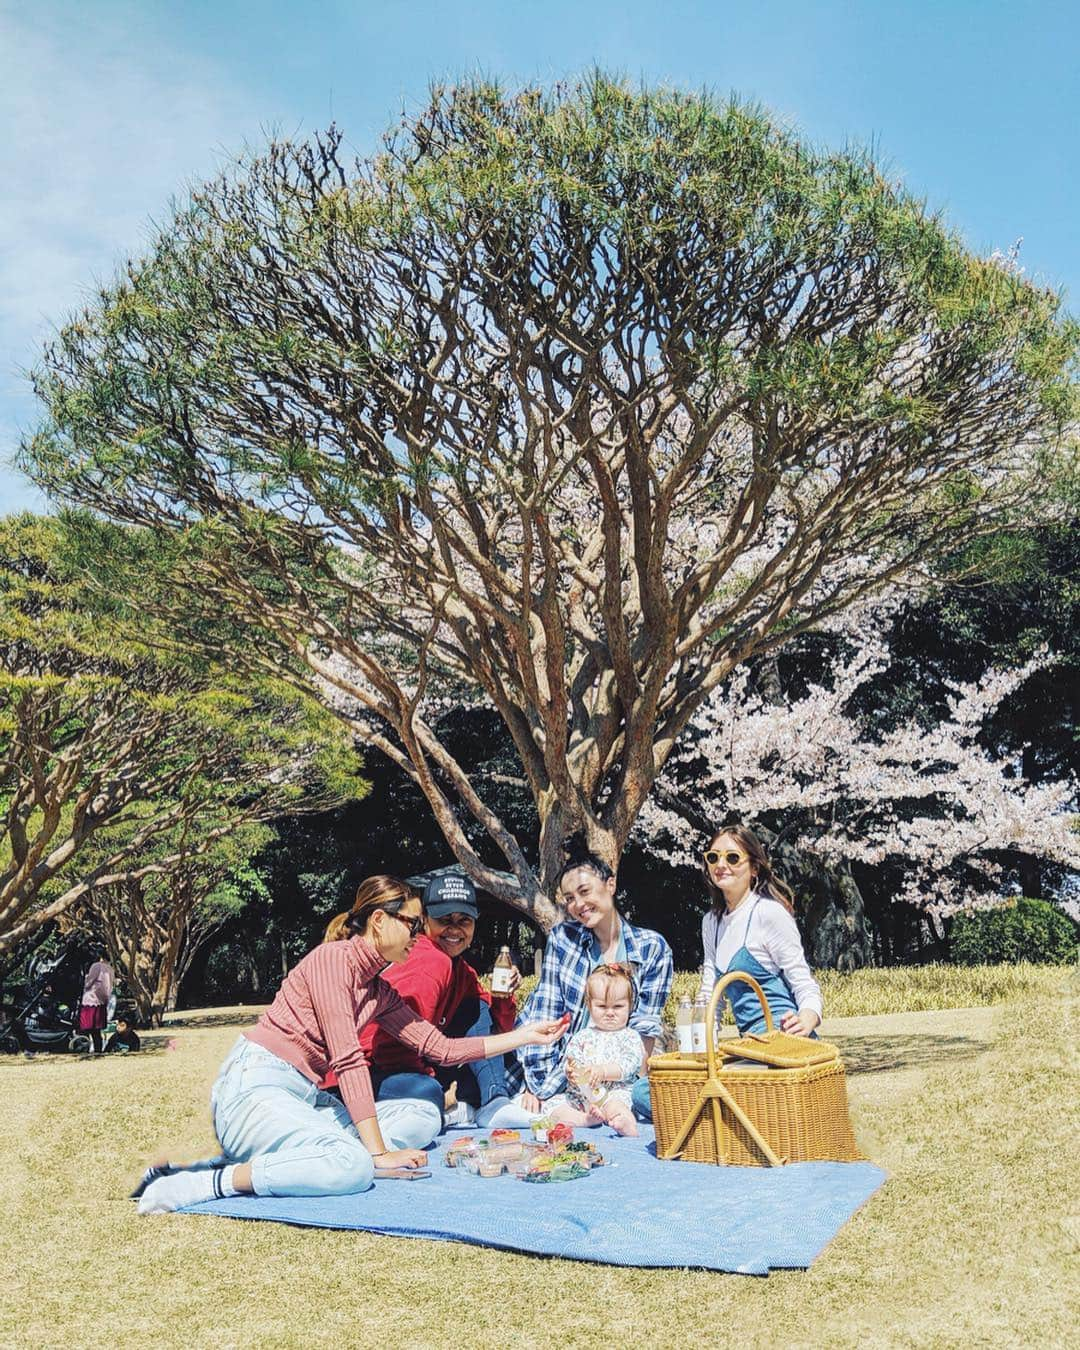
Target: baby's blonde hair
{"points": [[603, 977]]}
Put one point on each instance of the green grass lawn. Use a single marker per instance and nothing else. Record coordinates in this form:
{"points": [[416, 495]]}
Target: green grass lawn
{"points": [[972, 1242]]}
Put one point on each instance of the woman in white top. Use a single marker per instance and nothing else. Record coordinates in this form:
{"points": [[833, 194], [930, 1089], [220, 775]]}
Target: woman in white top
{"points": [[751, 927]]}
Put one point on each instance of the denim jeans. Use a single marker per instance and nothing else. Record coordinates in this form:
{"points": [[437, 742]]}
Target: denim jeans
{"points": [[641, 1099], [299, 1139], [419, 1086], [479, 1081]]}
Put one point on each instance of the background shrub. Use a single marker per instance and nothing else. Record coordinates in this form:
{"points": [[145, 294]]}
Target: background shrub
{"points": [[1024, 930]]}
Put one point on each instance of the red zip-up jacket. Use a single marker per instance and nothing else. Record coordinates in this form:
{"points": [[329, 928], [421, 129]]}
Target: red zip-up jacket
{"points": [[435, 986]]}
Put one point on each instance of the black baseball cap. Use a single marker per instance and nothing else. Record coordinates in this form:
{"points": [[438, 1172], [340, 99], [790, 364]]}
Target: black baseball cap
{"points": [[450, 894]]}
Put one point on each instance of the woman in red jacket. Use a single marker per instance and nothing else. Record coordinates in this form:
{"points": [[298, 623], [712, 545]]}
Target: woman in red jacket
{"points": [[441, 986], [280, 1133]]}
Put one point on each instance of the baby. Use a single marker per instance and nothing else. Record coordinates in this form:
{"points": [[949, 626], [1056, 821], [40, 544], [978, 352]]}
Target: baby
{"points": [[604, 1059]]}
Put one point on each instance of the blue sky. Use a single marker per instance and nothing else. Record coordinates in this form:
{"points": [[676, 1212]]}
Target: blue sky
{"points": [[107, 107]]}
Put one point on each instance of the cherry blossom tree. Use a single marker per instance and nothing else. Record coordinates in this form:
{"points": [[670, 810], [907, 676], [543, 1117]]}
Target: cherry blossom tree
{"points": [[571, 401], [930, 797]]}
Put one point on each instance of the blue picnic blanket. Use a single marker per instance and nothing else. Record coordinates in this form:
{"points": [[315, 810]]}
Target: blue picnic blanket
{"points": [[638, 1211]]}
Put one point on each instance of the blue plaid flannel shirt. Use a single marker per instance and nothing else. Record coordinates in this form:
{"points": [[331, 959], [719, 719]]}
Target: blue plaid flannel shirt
{"points": [[568, 963]]}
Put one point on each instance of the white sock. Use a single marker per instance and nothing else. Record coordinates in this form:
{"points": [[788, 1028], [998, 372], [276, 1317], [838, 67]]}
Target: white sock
{"points": [[501, 1114], [168, 1169], [186, 1188]]}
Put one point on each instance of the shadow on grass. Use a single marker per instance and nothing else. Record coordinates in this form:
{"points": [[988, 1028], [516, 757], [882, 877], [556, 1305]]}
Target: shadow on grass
{"points": [[232, 1018], [154, 1043], [877, 1054]]}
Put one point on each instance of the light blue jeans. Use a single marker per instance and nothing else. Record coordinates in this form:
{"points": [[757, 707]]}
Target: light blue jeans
{"points": [[299, 1139], [641, 1099]]}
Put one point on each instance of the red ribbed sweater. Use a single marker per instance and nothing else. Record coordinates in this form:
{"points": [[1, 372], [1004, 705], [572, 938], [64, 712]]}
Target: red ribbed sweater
{"points": [[324, 1002]]}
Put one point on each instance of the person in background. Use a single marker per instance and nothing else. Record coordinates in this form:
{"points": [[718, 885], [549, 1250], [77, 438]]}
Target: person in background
{"points": [[751, 928], [593, 934], [94, 1003], [280, 1133], [439, 984], [123, 1040]]}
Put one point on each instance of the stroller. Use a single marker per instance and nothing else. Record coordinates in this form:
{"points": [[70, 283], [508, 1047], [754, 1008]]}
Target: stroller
{"points": [[47, 1018]]}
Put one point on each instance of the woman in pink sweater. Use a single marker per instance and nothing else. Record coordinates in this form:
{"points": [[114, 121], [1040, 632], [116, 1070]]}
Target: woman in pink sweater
{"points": [[94, 1003], [280, 1133]]}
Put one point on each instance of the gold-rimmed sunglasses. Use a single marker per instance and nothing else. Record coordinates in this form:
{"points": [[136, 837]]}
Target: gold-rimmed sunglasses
{"points": [[729, 855]]}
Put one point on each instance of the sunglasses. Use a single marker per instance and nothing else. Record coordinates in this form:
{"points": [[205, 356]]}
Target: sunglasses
{"points": [[414, 922], [730, 856]]}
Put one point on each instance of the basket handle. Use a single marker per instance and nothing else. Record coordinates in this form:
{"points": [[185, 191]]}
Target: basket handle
{"points": [[710, 1015]]}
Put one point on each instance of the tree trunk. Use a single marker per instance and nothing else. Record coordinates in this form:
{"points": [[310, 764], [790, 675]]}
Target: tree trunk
{"points": [[146, 935], [129, 912], [142, 973], [557, 827], [248, 967], [836, 931], [164, 988], [1030, 866], [829, 907]]}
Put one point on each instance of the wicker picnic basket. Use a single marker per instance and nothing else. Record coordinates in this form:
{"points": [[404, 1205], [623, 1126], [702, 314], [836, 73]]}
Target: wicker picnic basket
{"points": [[708, 1109]]}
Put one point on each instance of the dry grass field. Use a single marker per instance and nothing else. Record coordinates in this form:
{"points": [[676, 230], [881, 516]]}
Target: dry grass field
{"points": [[973, 1241]]}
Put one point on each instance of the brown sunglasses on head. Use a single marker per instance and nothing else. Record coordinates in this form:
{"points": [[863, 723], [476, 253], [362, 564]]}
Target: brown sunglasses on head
{"points": [[729, 856]]}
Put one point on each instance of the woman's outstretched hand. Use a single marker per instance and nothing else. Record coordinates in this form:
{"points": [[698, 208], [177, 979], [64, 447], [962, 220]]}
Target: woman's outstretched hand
{"points": [[545, 1033], [531, 1033]]}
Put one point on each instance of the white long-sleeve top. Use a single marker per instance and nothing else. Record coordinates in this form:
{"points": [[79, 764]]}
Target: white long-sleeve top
{"points": [[773, 940]]}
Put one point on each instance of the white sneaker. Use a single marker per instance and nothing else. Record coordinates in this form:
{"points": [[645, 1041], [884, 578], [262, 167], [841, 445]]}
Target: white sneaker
{"points": [[459, 1115], [152, 1174]]}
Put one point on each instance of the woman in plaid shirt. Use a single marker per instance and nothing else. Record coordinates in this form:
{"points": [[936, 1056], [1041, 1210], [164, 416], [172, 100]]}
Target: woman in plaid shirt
{"points": [[593, 934]]}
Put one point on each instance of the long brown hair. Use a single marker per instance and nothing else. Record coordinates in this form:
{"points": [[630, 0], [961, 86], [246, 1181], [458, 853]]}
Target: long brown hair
{"points": [[373, 893], [762, 878]]}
